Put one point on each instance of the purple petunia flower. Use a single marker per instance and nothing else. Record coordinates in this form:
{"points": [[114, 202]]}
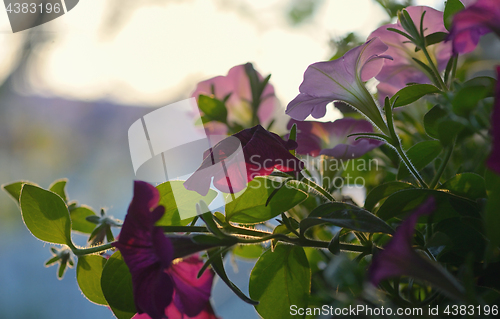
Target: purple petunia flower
{"points": [[402, 69], [263, 151], [494, 159], [400, 259], [237, 85], [342, 79], [478, 18], [157, 280], [330, 138]]}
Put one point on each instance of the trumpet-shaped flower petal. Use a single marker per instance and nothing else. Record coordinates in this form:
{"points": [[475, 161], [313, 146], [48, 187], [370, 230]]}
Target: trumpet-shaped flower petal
{"points": [[494, 159], [331, 138], [236, 85], [478, 18], [341, 79], [399, 258], [402, 69], [263, 151], [149, 255]]}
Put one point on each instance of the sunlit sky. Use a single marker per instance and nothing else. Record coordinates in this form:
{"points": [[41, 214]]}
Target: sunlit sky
{"points": [[161, 50]]}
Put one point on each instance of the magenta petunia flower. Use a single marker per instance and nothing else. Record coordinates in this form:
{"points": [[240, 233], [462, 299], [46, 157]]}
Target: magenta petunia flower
{"points": [[237, 85], [400, 259], [402, 69], [263, 151], [156, 278], [494, 159], [330, 138], [342, 80], [478, 18]]}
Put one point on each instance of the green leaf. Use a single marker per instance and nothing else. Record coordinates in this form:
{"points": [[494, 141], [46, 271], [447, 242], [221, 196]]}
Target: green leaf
{"points": [[279, 280], [184, 199], [58, 187], [212, 108], [468, 185], [250, 207], [448, 131], [79, 220], [412, 93], [434, 38], [432, 119], [382, 191], [347, 216], [467, 98], [448, 205], [88, 275], [248, 251], [14, 189], [46, 215], [116, 284], [421, 155], [450, 9]]}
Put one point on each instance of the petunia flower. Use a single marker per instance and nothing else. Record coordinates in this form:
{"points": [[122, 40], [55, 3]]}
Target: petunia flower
{"points": [[184, 273], [400, 259], [342, 79], [330, 138], [263, 151], [236, 85], [402, 69], [159, 281], [478, 18], [493, 161]]}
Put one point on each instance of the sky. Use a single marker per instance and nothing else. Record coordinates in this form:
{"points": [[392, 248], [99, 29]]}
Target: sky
{"points": [[156, 53]]}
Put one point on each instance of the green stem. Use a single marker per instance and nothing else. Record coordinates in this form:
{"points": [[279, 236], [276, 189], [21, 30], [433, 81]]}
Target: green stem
{"points": [[91, 250], [439, 173], [410, 166], [261, 236], [318, 188]]}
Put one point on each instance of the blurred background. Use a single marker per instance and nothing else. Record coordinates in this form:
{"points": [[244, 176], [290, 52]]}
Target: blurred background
{"points": [[70, 89]]}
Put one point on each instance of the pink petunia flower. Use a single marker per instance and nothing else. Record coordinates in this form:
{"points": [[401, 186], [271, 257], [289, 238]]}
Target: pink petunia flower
{"points": [[263, 151], [236, 85], [159, 282], [342, 79]]}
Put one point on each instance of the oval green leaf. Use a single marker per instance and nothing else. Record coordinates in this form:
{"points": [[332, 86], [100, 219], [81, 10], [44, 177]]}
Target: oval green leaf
{"points": [[250, 207], [468, 185], [347, 216], [173, 195], [279, 280], [88, 275], [212, 109], [59, 187], [448, 205], [382, 191], [14, 189], [116, 284], [78, 219], [412, 93], [46, 215]]}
